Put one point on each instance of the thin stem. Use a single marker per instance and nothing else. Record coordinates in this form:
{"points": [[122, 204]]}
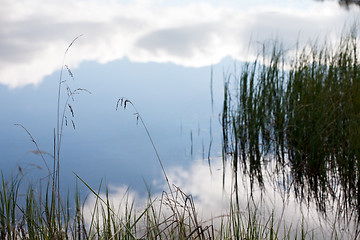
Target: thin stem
{"points": [[123, 102]]}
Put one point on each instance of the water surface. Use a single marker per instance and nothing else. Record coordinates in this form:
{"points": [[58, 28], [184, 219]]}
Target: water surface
{"points": [[161, 56]]}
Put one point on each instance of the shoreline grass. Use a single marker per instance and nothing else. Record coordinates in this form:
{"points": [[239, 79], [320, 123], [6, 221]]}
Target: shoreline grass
{"points": [[105, 214]]}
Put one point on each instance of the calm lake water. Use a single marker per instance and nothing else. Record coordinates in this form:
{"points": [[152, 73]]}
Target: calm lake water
{"points": [[174, 101], [161, 57]]}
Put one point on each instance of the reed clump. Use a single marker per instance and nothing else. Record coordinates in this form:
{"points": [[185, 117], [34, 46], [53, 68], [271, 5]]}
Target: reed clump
{"points": [[301, 112]]}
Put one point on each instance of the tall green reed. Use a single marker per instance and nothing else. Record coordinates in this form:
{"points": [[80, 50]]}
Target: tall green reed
{"points": [[303, 113]]}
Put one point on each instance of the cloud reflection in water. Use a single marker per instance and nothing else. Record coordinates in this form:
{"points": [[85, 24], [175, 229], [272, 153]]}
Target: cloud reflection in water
{"points": [[35, 33], [212, 202]]}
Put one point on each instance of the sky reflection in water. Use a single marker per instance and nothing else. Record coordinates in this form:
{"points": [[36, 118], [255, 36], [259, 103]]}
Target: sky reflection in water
{"points": [[196, 33], [212, 202], [156, 53]]}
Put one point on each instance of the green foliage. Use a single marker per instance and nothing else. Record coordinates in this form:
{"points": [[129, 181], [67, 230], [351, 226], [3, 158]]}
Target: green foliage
{"points": [[303, 112]]}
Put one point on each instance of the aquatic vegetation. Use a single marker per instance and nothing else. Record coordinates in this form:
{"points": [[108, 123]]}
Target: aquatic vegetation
{"points": [[302, 112]]}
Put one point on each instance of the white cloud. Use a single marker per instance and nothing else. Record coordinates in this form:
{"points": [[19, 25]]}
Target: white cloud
{"points": [[35, 33]]}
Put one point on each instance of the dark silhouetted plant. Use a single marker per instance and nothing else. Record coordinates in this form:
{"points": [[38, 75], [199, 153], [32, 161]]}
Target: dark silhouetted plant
{"points": [[303, 112]]}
